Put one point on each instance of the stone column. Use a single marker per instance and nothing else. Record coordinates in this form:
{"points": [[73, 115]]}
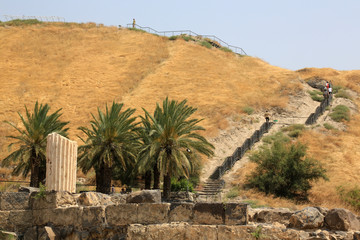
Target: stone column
{"points": [[61, 161]]}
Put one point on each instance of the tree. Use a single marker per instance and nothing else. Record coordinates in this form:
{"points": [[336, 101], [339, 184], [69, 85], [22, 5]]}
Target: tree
{"points": [[284, 170], [174, 143], [111, 142], [31, 140]]}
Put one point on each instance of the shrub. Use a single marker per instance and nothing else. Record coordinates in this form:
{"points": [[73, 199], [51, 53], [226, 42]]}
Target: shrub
{"points": [[248, 110], [350, 196], [233, 193], [137, 30], [339, 113], [20, 22], [316, 95], [225, 49], [279, 136], [294, 130], [342, 94], [329, 126], [187, 38], [206, 44], [336, 89], [284, 170], [181, 185], [172, 38]]}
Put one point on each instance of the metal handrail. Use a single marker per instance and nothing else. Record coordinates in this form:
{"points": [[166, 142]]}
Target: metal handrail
{"points": [[235, 49]]}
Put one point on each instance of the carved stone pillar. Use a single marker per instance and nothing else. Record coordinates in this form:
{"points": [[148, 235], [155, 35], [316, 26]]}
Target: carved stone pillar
{"points": [[61, 161]]}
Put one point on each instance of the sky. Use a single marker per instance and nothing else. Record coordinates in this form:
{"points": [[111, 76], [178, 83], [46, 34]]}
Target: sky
{"points": [[291, 34]]}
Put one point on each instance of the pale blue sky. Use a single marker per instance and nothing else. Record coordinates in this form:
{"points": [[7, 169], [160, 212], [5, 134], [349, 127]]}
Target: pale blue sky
{"points": [[291, 34]]}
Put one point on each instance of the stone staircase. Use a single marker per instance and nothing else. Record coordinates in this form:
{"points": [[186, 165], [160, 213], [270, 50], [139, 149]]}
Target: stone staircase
{"points": [[212, 187]]}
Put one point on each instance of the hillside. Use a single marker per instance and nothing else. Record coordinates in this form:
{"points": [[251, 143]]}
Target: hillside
{"points": [[81, 67]]}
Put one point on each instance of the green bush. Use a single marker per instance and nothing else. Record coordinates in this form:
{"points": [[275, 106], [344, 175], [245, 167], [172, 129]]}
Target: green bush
{"points": [[336, 89], [225, 49], [316, 95], [181, 185], [248, 110], [294, 130], [187, 38], [206, 44], [173, 38], [137, 30], [284, 170], [339, 113], [20, 22], [279, 136], [329, 126], [342, 94], [233, 193], [350, 196]]}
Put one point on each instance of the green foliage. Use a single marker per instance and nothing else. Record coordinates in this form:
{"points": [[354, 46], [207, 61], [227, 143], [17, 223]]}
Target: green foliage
{"points": [[329, 126], [248, 110], [342, 94], [257, 233], [172, 38], [279, 136], [336, 89], [233, 193], [20, 22], [316, 95], [284, 170], [41, 193], [339, 113], [225, 49], [350, 196], [173, 142], [206, 44], [181, 185], [30, 155], [137, 30], [294, 130], [111, 144]]}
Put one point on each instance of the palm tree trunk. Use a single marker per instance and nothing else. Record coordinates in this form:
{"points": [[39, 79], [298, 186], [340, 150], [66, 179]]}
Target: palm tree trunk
{"points": [[103, 178], [167, 186], [34, 178], [147, 179], [156, 177]]}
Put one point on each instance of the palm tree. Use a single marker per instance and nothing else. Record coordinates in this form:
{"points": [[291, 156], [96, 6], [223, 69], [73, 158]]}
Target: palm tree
{"points": [[31, 154], [174, 141], [111, 141]]}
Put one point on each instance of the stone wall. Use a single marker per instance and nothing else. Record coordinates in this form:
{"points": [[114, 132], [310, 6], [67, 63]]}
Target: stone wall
{"points": [[99, 216]]}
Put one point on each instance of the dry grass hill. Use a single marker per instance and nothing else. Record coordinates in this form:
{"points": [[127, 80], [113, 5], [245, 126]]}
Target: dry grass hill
{"points": [[79, 67]]}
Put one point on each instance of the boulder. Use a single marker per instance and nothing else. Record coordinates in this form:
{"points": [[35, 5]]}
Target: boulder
{"points": [[236, 213], [308, 218], [182, 196], [316, 82], [271, 215], [342, 220], [144, 196], [94, 199], [14, 201], [118, 198], [50, 200], [28, 189]]}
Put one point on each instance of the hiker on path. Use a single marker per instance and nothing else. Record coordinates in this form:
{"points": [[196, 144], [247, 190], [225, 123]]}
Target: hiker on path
{"points": [[134, 22], [267, 119]]}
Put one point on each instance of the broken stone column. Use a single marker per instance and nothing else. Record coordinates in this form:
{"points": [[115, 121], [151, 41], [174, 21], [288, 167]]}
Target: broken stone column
{"points": [[61, 161]]}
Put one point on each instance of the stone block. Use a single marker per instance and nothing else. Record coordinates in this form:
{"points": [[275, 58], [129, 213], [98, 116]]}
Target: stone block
{"points": [[202, 232], [118, 198], [236, 214], [4, 219], [209, 213], [68, 216], [272, 215], [181, 212], [144, 196], [14, 201], [122, 214], [153, 213], [93, 216], [51, 200], [20, 220], [94, 199], [308, 218], [157, 231], [342, 220]]}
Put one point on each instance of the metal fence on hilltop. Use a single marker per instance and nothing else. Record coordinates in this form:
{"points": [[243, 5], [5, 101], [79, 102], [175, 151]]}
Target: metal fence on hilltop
{"points": [[319, 110], [40, 18], [235, 49]]}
